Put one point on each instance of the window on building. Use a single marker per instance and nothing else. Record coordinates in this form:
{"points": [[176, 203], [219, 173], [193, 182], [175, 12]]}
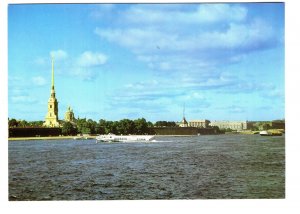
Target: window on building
{"points": [[50, 106]]}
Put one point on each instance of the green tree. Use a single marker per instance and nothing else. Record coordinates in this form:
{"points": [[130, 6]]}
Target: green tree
{"points": [[23, 123], [68, 129], [141, 126], [165, 124], [83, 127], [100, 128], [35, 123], [110, 127], [254, 128], [149, 124], [125, 127], [12, 123], [91, 125], [266, 126]]}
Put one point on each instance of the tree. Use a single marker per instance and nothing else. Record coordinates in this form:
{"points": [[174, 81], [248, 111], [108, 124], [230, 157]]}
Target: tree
{"points": [[12, 123], [141, 126], [110, 127], [99, 129], [68, 129], [36, 123], [266, 126], [23, 123], [254, 128], [125, 127], [91, 125], [165, 124], [149, 124]]}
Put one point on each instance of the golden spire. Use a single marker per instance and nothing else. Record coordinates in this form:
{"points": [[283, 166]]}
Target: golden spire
{"points": [[52, 71]]}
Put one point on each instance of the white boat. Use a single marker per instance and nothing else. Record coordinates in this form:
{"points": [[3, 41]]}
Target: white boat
{"points": [[124, 138], [266, 133]]}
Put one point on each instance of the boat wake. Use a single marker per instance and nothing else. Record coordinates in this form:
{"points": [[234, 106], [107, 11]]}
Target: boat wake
{"points": [[161, 141], [150, 141]]}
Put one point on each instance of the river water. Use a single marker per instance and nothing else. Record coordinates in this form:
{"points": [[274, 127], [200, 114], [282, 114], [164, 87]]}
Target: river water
{"points": [[198, 167]]}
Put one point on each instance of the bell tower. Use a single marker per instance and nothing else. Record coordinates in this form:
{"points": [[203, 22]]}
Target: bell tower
{"points": [[51, 119]]}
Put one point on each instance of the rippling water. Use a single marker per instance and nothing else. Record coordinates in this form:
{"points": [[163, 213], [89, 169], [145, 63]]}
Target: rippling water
{"points": [[202, 167]]}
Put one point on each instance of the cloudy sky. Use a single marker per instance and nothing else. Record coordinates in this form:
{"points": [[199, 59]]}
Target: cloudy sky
{"points": [[115, 61]]}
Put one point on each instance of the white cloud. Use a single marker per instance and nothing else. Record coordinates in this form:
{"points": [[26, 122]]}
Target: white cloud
{"points": [[58, 54], [23, 99], [254, 35], [221, 12], [203, 13], [189, 38], [83, 66], [238, 36], [89, 59], [40, 81]]}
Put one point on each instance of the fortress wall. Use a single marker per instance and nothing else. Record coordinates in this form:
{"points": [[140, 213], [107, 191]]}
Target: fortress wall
{"points": [[32, 132]]}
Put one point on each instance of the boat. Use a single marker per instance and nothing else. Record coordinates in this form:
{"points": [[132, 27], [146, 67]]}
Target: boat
{"points": [[266, 133], [124, 138]]}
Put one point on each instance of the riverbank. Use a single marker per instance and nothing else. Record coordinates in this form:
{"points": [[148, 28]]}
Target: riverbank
{"points": [[78, 137], [94, 137], [48, 138], [249, 132]]}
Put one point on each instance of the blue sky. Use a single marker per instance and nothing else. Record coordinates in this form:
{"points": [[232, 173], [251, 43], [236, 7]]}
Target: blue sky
{"points": [[115, 61]]}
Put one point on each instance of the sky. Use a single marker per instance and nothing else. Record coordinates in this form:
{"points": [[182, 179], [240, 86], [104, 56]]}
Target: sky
{"points": [[115, 61]]}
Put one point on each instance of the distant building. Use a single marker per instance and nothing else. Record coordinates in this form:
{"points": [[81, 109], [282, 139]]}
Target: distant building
{"points": [[265, 125], [51, 119], [234, 125], [199, 123], [69, 115], [278, 124], [183, 123]]}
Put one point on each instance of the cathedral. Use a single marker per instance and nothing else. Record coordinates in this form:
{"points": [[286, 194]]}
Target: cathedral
{"points": [[69, 115], [51, 119]]}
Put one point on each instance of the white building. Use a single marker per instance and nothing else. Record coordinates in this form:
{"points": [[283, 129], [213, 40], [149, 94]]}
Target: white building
{"points": [[234, 125], [199, 123]]}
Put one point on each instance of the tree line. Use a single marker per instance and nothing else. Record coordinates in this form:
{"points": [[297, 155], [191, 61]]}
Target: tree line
{"points": [[89, 126], [13, 123]]}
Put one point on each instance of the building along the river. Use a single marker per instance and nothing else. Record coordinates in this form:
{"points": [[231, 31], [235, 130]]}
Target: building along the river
{"points": [[199, 123], [233, 125]]}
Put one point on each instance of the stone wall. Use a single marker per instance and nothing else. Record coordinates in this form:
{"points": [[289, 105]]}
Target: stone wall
{"points": [[33, 132]]}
